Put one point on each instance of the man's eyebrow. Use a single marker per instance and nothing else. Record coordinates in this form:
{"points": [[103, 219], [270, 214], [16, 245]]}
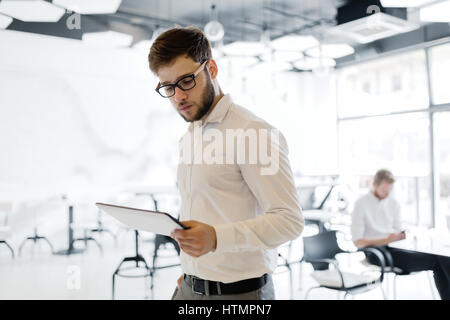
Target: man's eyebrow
{"points": [[180, 77]]}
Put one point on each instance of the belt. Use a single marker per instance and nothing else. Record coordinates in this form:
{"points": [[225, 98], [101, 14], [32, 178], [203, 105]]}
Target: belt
{"points": [[206, 287]]}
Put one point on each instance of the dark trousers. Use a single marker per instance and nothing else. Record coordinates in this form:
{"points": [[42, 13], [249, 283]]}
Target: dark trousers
{"points": [[410, 261]]}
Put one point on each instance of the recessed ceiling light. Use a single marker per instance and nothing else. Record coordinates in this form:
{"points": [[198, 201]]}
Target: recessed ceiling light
{"points": [[5, 21], [313, 63], [438, 12], [294, 43], [371, 28], [108, 39], [31, 10], [90, 6], [245, 48], [271, 67], [335, 51], [282, 56], [237, 62]]}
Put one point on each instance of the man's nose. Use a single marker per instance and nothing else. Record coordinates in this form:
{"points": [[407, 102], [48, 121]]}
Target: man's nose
{"points": [[180, 95]]}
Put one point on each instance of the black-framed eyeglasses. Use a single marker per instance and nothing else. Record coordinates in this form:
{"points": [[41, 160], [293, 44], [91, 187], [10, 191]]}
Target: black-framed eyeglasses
{"points": [[185, 83]]}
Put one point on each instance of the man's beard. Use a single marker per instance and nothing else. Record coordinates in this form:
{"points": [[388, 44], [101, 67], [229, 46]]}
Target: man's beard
{"points": [[207, 101]]}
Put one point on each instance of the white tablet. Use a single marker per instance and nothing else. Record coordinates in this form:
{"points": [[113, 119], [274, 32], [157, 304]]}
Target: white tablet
{"points": [[145, 220]]}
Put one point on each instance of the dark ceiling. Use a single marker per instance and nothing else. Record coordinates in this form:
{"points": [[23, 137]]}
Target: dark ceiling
{"points": [[242, 20]]}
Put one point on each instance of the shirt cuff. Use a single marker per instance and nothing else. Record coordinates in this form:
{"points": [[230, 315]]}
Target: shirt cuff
{"points": [[225, 238]]}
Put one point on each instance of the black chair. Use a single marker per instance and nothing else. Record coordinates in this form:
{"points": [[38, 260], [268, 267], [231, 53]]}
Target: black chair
{"points": [[395, 271], [321, 249], [136, 259]]}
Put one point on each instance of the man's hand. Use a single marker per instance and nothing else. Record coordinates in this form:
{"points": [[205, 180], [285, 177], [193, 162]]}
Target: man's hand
{"points": [[196, 241], [396, 237]]}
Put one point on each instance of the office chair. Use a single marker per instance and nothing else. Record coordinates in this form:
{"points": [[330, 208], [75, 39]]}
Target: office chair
{"points": [[321, 249], [391, 269]]}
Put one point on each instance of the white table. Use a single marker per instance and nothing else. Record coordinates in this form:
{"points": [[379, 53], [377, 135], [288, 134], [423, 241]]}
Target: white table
{"points": [[430, 241]]}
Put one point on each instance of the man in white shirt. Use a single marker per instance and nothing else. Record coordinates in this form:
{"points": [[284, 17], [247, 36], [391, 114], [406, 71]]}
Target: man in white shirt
{"points": [[238, 209], [376, 222]]}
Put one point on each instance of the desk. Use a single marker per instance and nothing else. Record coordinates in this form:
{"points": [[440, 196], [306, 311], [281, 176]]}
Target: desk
{"points": [[88, 194], [431, 242]]}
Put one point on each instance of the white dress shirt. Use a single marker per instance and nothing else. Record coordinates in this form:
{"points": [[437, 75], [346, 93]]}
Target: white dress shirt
{"points": [[375, 219], [251, 213]]}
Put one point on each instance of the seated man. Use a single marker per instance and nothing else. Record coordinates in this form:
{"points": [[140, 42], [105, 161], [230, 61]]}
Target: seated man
{"points": [[376, 222]]}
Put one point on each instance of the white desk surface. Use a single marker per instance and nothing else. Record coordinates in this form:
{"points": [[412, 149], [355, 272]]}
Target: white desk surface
{"points": [[431, 242]]}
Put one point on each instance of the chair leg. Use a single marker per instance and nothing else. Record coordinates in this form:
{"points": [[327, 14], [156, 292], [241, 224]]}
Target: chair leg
{"points": [[431, 282], [49, 244], [9, 247], [387, 285], [309, 290], [382, 291], [300, 275], [113, 285], [395, 287]]}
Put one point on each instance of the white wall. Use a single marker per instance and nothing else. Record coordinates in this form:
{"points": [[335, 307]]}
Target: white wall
{"points": [[72, 114]]}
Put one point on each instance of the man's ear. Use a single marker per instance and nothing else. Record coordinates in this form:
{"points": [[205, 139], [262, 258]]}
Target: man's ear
{"points": [[213, 69]]}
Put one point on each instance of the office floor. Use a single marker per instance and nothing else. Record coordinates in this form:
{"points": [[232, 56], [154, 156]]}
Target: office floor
{"points": [[37, 274]]}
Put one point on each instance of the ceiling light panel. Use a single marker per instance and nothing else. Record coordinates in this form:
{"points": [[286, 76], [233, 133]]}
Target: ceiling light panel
{"points": [[31, 10], [282, 56], [245, 48], [313, 63], [334, 51], [90, 6], [108, 39], [294, 43]]}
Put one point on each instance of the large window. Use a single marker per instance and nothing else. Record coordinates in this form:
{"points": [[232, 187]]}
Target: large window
{"points": [[440, 73], [399, 143], [383, 86], [442, 163]]}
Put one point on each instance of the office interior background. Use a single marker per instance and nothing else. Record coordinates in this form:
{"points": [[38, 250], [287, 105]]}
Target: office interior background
{"points": [[354, 86]]}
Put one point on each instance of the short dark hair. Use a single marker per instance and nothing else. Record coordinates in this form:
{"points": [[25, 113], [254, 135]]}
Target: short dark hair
{"points": [[383, 175], [176, 42]]}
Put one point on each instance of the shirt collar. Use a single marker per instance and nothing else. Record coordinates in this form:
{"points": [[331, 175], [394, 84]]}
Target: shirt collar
{"points": [[217, 114]]}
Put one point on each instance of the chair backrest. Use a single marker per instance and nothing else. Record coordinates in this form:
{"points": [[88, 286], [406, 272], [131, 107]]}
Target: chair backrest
{"points": [[321, 246]]}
